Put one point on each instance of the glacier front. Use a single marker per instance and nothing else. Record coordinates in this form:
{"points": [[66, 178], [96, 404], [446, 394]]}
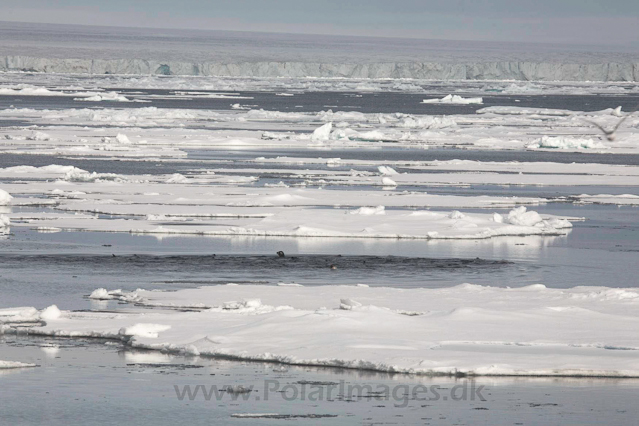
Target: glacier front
{"points": [[110, 50]]}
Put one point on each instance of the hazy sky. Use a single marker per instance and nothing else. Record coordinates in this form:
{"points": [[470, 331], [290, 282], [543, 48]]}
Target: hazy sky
{"points": [[562, 21]]}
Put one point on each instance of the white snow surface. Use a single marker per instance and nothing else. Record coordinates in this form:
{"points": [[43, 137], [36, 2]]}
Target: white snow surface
{"points": [[534, 330]]}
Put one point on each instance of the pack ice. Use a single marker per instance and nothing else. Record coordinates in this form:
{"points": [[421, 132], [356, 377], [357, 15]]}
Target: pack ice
{"points": [[467, 329]]}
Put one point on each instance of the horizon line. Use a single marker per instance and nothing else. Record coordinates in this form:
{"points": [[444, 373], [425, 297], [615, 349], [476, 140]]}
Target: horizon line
{"points": [[629, 45]]}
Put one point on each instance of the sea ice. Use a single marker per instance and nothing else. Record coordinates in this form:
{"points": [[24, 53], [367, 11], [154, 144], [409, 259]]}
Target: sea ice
{"points": [[466, 329], [454, 99], [7, 365], [565, 143], [5, 198], [322, 133]]}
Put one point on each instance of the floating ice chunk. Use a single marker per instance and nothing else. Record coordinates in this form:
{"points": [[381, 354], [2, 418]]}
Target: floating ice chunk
{"points": [[621, 199], [5, 198], [25, 314], [39, 136], [386, 181], [50, 169], [79, 175], [177, 178], [322, 133], [426, 122], [108, 96], [454, 99], [100, 294], [519, 216], [371, 136], [28, 91], [122, 138], [252, 303], [50, 313], [150, 331], [512, 110], [369, 211], [276, 185], [534, 287], [561, 142], [348, 304], [498, 218], [386, 170], [456, 215], [246, 303], [156, 217], [7, 365], [4, 221]]}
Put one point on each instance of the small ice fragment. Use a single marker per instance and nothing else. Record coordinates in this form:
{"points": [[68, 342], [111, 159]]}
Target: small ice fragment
{"points": [[386, 181], [144, 330], [50, 313], [388, 171], [348, 304], [322, 133]]}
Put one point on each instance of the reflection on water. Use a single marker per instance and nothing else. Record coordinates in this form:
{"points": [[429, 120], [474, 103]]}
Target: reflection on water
{"points": [[42, 269], [100, 382]]}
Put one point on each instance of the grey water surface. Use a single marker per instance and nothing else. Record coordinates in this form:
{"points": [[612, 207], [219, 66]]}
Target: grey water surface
{"points": [[79, 382]]}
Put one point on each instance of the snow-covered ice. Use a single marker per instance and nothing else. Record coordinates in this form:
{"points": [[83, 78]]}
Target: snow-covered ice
{"points": [[467, 329]]}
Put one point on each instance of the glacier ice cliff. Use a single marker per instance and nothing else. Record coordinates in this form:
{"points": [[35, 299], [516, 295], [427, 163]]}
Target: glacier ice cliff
{"points": [[498, 70]]}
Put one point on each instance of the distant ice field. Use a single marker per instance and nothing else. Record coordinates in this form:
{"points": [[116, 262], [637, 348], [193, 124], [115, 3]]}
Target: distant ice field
{"points": [[381, 102], [105, 50]]}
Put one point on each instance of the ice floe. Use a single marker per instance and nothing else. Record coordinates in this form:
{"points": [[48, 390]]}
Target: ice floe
{"points": [[467, 329], [7, 365], [454, 99], [565, 143]]}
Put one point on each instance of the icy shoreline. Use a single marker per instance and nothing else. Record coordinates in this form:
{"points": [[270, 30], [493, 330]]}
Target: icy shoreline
{"points": [[497, 70]]}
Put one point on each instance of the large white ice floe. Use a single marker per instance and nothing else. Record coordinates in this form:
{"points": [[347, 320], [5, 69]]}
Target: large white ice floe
{"points": [[367, 222], [467, 329]]}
